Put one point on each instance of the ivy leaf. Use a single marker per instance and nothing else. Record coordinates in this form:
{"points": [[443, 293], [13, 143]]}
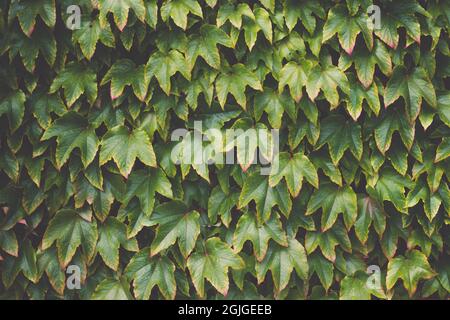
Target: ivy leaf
{"points": [[48, 262], [112, 289], [431, 200], [178, 10], [391, 122], [340, 134], [328, 241], [334, 200], [124, 147], [125, 73], [248, 228], [221, 203], [274, 105], [28, 262], [175, 222], [70, 229], [27, 11], [73, 131], [323, 268], [120, 9], [327, 78], [369, 212], [143, 184], [411, 268], [234, 14], [147, 272], [76, 79], [347, 27], [29, 49], [400, 14], [89, 34], [256, 187], [112, 235], [44, 105], [295, 75], [391, 187], [359, 94], [293, 168], [412, 86], [356, 287], [211, 261], [252, 27], [14, 107], [204, 44], [365, 62], [8, 242], [281, 261], [303, 11], [234, 80], [164, 65]]}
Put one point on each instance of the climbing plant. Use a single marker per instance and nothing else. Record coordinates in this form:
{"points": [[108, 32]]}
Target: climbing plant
{"points": [[356, 205]]}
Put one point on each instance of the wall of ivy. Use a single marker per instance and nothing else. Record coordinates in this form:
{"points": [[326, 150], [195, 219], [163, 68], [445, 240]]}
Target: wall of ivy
{"points": [[358, 209]]}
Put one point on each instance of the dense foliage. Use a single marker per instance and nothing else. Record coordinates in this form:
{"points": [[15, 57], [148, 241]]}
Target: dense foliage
{"points": [[86, 177]]}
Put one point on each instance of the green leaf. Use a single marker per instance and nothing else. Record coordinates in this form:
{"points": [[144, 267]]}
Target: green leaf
{"points": [[175, 222], [234, 80], [125, 73], [391, 122], [323, 268], [70, 229], [358, 287], [90, 34], [412, 86], [204, 44], [347, 27], [295, 76], [252, 27], [27, 11], [73, 131], [327, 78], [112, 235], [120, 9], [14, 107], [293, 168], [234, 14], [124, 147], [143, 184], [328, 241], [112, 289], [164, 65], [221, 204], [274, 105], [365, 62], [256, 187], [334, 200], [411, 268], [281, 261], [211, 261], [76, 79], [303, 11], [340, 134], [178, 10], [147, 272], [369, 212], [391, 187], [248, 228]]}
